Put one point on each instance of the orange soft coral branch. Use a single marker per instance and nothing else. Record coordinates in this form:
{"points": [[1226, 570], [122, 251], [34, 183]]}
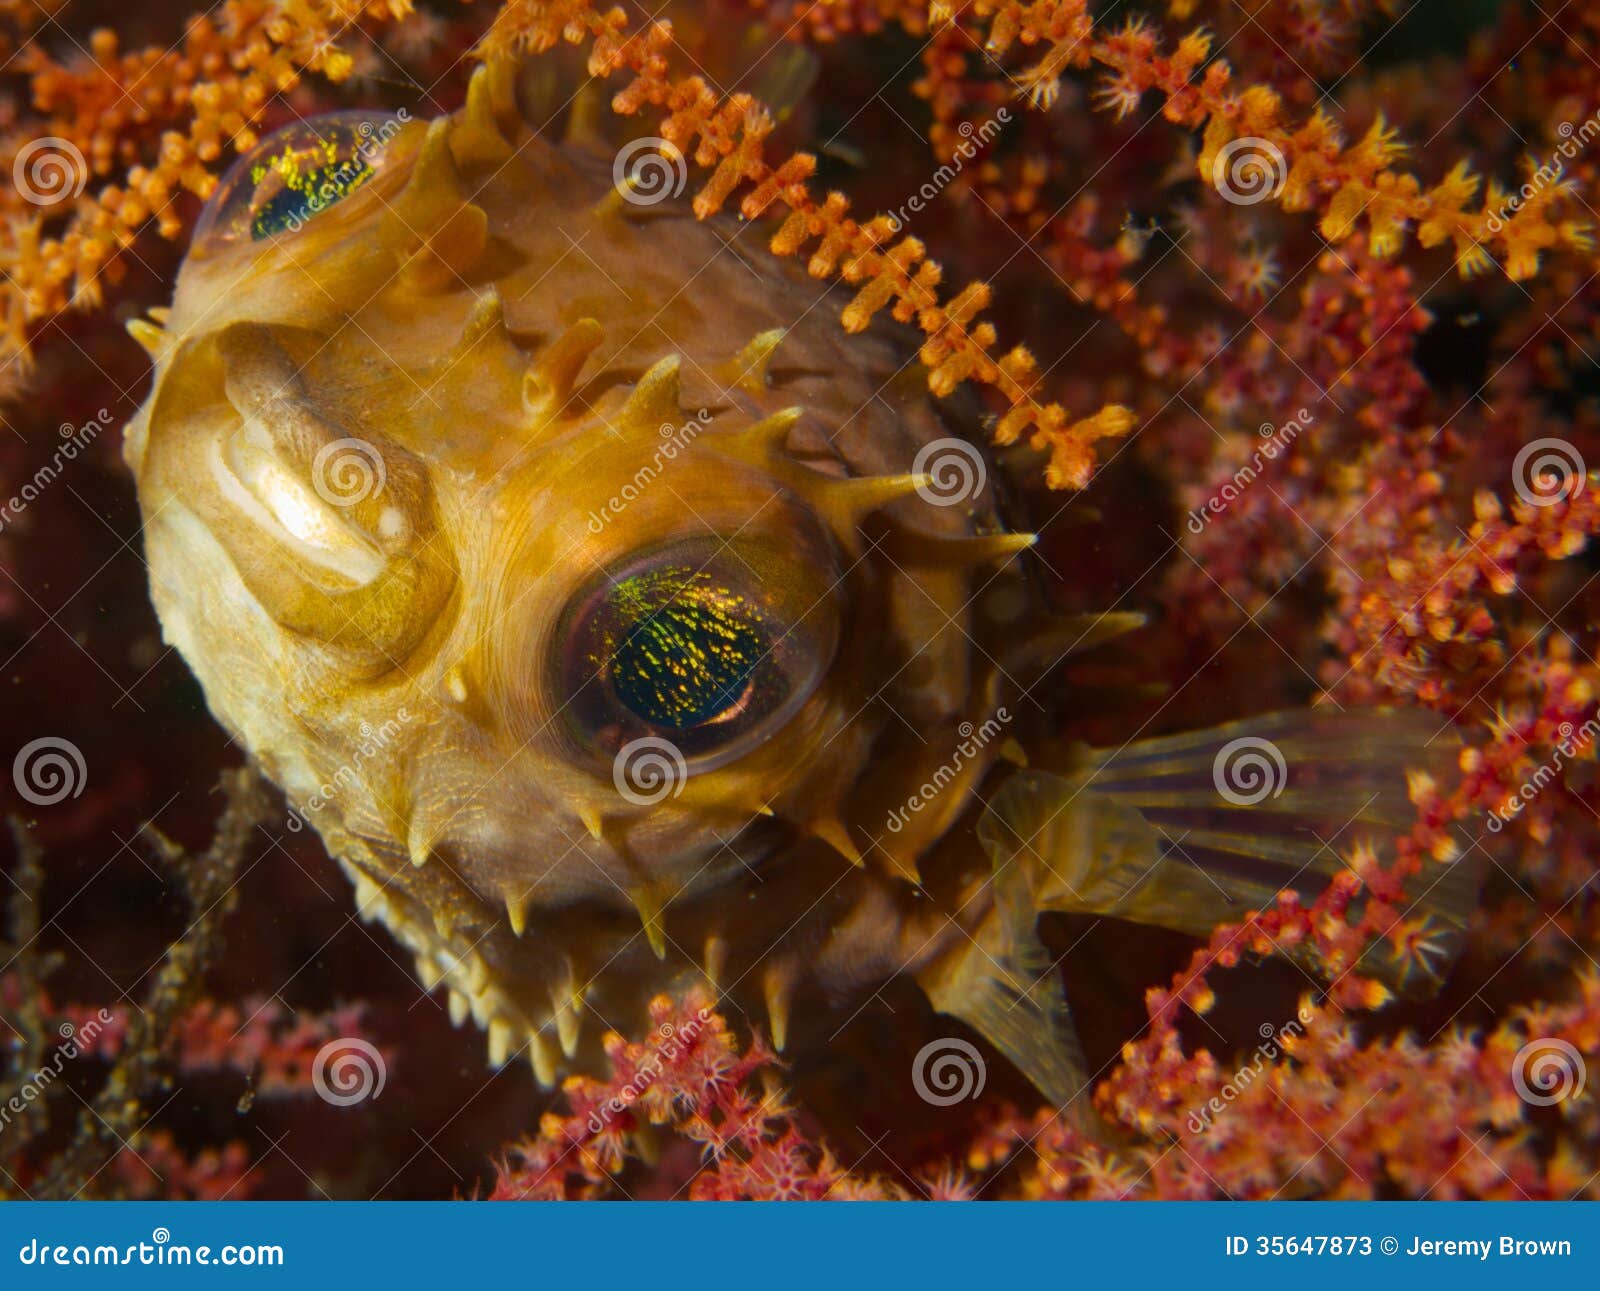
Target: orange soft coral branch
{"points": [[726, 135], [208, 89], [1308, 166]]}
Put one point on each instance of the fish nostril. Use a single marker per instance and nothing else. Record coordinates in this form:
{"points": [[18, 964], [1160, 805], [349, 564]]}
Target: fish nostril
{"points": [[273, 495], [300, 479]]}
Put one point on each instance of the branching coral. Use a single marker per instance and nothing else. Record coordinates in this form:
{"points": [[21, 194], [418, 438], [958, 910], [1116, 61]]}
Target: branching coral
{"points": [[690, 1077]]}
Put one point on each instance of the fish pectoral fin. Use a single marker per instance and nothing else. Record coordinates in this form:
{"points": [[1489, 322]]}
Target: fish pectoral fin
{"points": [[1193, 831], [1002, 983]]}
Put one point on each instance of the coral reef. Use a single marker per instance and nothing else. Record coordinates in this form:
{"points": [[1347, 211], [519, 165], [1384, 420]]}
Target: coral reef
{"points": [[1327, 278]]}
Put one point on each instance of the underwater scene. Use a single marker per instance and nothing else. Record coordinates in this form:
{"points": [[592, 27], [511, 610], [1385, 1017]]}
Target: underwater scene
{"points": [[799, 600]]}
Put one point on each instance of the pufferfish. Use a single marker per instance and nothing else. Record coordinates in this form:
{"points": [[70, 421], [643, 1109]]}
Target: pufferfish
{"points": [[609, 614]]}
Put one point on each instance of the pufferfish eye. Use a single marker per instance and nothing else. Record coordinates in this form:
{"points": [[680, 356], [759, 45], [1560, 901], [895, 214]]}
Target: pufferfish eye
{"points": [[708, 644], [293, 175]]}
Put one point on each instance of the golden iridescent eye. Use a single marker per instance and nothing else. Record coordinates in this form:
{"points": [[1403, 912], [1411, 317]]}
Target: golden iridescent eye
{"points": [[294, 175], [709, 645]]}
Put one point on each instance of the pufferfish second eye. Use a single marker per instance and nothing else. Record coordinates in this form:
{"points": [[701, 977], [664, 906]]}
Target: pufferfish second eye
{"points": [[708, 644], [293, 175]]}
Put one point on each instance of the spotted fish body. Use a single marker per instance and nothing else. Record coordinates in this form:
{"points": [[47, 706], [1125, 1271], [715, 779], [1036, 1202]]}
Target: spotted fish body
{"points": [[565, 565]]}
